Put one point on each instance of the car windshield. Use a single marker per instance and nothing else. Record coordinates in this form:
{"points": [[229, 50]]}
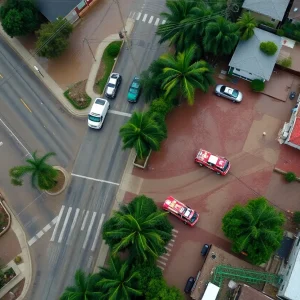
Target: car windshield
{"points": [[194, 217], [111, 85], [94, 119], [234, 93], [225, 166], [135, 84], [133, 91]]}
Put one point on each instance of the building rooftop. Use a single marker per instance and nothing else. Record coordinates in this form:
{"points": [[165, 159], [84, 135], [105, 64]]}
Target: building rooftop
{"points": [[295, 11], [295, 135], [248, 56], [249, 293], [274, 9]]}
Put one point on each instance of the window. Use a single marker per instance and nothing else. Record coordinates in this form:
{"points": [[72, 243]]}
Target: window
{"points": [[238, 69]]}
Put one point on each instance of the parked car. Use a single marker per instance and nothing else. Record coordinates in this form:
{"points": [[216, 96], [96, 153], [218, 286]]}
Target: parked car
{"points": [[113, 84], [134, 90], [229, 93], [218, 164], [189, 285], [181, 211], [205, 249]]}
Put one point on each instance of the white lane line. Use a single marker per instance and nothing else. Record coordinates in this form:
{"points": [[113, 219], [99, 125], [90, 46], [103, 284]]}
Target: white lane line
{"points": [[171, 244], [46, 228], [132, 16], [57, 223], [174, 230], [174, 235], [98, 232], [161, 262], [161, 267], [53, 222], [95, 179], [73, 225], [89, 230], [169, 249], [163, 22], [120, 113], [84, 220], [139, 16], [65, 225], [150, 20], [1, 143], [168, 254], [156, 22], [162, 257], [173, 241], [145, 17], [32, 241], [40, 234]]}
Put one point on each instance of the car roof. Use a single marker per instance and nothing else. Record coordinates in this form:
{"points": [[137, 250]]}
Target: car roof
{"points": [[228, 90], [178, 207], [207, 157], [98, 106]]}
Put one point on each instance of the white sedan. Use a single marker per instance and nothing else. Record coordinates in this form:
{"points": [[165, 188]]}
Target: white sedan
{"points": [[229, 93]]}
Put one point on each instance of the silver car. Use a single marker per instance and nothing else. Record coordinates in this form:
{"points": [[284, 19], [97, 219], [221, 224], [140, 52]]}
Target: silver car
{"points": [[112, 86], [229, 93]]}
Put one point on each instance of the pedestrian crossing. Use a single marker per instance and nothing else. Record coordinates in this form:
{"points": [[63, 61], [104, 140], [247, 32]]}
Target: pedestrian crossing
{"points": [[162, 260], [71, 220], [148, 19]]}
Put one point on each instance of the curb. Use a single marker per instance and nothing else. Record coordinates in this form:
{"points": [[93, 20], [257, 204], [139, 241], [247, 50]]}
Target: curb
{"points": [[67, 181], [21, 236], [9, 217], [284, 172]]}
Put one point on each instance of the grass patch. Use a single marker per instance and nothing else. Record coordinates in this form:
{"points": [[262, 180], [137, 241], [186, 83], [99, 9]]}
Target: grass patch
{"points": [[77, 95], [108, 63]]}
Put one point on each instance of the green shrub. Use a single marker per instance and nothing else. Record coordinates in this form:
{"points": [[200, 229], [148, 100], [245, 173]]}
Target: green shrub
{"points": [[257, 85], [290, 176], [161, 106], [78, 105], [18, 259], [269, 24], [113, 48], [296, 217], [280, 32], [268, 48], [286, 62]]}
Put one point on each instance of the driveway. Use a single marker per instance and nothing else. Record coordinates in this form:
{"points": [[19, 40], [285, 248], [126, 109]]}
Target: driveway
{"points": [[231, 130]]}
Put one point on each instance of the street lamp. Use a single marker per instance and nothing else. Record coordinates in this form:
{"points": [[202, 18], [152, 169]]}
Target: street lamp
{"points": [[38, 70]]}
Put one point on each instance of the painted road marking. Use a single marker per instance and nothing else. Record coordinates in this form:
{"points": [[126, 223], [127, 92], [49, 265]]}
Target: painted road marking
{"points": [[139, 16], [32, 241], [156, 22], [84, 221], [98, 232], [40, 234], [145, 17], [162, 257], [1, 143], [73, 225], [89, 230], [94, 179], [120, 113], [25, 104], [161, 267], [57, 223], [150, 20], [46, 228], [65, 225], [1, 76], [174, 230]]}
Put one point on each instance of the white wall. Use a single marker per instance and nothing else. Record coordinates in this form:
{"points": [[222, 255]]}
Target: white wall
{"points": [[245, 74]]}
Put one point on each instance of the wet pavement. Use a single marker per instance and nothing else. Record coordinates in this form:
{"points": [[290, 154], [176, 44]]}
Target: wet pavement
{"points": [[231, 130], [101, 20]]}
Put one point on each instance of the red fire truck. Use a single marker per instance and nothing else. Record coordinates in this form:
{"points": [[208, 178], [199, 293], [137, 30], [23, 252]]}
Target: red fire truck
{"points": [[181, 211]]}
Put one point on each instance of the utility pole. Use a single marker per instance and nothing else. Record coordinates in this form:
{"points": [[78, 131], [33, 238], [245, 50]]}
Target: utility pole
{"points": [[85, 40], [127, 41]]}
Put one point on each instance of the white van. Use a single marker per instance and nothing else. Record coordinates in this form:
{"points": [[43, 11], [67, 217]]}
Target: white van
{"points": [[98, 113]]}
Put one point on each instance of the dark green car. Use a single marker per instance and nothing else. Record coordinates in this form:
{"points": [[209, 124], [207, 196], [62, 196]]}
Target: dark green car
{"points": [[134, 90]]}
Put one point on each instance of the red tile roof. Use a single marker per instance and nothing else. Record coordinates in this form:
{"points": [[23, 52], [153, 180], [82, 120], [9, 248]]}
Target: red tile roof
{"points": [[295, 136]]}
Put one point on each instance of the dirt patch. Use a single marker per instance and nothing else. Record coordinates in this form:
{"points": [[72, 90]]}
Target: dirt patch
{"points": [[100, 74], [15, 292], [4, 218], [290, 225], [60, 182], [77, 95]]}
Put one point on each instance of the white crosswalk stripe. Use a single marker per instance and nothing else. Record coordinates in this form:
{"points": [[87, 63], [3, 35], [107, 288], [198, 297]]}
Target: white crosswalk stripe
{"points": [[162, 260], [138, 16], [69, 223]]}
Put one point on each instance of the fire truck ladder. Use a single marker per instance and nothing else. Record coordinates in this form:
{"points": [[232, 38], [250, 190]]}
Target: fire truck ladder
{"points": [[222, 272]]}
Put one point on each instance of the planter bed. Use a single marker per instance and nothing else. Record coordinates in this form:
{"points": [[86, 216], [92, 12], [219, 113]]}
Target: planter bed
{"points": [[4, 218], [6, 277]]}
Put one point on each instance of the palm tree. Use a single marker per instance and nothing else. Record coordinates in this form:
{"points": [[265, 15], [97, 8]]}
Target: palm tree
{"points": [[247, 24], [173, 30], [140, 228], [221, 37], [143, 133], [255, 229], [119, 280], [85, 287], [42, 175], [181, 77]]}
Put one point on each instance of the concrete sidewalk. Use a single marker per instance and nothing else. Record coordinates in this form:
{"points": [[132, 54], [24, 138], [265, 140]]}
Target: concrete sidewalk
{"points": [[51, 84]]}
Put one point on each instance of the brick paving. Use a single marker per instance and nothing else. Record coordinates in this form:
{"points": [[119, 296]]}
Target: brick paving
{"points": [[9, 247]]}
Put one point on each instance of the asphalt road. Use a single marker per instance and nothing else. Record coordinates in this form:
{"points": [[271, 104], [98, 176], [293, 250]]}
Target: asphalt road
{"points": [[31, 119], [75, 236]]}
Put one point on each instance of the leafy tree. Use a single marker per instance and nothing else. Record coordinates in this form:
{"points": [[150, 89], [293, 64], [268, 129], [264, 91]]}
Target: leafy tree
{"points": [[290, 176], [268, 48], [221, 37], [257, 85], [255, 228], [85, 287], [140, 228], [181, 76], [143, 133], [296, 217], [53, 38], [161, 106], [247, 24], [19, 17], [159, 290], [42, 175], [119, 280]]}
